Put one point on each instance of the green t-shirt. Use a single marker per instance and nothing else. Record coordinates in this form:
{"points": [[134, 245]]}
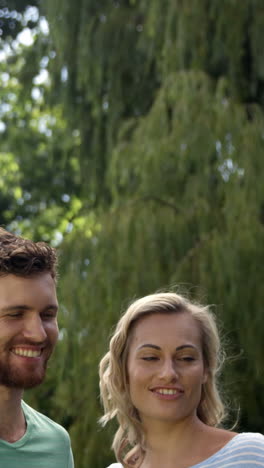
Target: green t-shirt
{"points": [[45, 444]]}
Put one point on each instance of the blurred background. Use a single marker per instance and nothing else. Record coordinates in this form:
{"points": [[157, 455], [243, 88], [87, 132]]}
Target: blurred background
{"points": [[132, 139]]}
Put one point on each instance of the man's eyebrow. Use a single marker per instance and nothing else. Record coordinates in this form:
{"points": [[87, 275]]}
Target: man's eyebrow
{"points": [[51, 306], [25, 307], [15, 307], [179, 348]]}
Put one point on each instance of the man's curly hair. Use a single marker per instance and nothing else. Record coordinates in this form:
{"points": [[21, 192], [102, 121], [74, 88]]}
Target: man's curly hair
{"points": [[23, 257]]}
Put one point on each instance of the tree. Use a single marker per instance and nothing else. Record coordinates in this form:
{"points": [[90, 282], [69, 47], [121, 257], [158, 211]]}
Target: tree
{"points": [[12, 19], [39, 156], [167, 102], [176, 218], [117, 55]]}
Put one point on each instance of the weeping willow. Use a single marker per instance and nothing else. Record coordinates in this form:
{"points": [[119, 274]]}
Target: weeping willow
{"points": [[168, 98], [118, 53]]}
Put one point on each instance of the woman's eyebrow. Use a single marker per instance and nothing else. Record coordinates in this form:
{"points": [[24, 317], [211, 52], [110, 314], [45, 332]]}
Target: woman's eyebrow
{"points": [[148, 345], [179, 348], [185, 346]]}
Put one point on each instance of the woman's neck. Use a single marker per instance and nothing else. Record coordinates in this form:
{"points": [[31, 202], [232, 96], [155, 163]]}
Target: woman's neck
{"points": [[179, 445], [161, 437]]}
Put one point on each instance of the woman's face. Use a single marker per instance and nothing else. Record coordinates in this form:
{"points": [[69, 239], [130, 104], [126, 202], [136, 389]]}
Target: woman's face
{"points": [[165, 367]]}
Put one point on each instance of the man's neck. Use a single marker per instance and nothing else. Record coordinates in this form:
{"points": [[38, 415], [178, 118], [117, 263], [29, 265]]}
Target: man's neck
{"points": [[12, 420]]}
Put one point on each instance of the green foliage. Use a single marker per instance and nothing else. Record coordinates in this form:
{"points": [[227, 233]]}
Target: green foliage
{"points": [[40, 168], [143, 149], [117, 55], [183, 212], [12, 17], [103, 88]]}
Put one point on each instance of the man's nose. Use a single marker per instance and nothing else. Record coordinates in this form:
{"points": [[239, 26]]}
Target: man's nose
{"points": [[34, 329]]}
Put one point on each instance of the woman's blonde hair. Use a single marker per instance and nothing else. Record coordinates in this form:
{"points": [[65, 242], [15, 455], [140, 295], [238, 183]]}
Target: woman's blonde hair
{"points": [[113, 373]]}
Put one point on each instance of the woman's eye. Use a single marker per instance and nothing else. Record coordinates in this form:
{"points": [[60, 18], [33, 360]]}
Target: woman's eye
{"points": [[149, 358], [187, 359], [15, 315]]}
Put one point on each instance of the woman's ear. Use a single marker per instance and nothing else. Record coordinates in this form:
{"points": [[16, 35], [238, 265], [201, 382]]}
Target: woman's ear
{"points": [[205, 376]]}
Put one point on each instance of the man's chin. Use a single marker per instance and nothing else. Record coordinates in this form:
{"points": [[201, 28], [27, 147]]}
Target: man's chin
{"points": [[30, 383], [22, 381]]}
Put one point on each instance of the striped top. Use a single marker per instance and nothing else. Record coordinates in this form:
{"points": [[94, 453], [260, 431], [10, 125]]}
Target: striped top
{"points": [[245, 450]]}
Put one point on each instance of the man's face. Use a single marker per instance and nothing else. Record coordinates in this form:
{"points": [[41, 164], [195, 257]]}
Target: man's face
{"points": [[28, 328]]}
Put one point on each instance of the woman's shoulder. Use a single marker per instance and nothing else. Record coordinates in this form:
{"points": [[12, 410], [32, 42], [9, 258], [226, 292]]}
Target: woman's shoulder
{"points": [[115, 465], [249, 438], [246, 449]]}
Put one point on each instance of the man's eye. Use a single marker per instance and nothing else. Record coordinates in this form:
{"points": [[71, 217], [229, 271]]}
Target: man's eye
{"points": [[48, 315], [15, 314]]}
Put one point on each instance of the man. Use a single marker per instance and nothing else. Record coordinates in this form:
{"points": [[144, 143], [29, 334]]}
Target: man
{"points": [[28, 334]]}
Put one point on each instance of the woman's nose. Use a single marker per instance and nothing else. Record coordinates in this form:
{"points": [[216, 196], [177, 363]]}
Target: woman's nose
{"points": [[169, 370]]}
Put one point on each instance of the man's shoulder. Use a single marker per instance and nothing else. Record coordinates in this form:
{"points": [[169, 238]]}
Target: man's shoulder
{"points": [[43, 422]]}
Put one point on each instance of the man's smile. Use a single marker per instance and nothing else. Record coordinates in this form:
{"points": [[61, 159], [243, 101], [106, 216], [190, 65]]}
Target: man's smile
{"points": [[26, 352]]}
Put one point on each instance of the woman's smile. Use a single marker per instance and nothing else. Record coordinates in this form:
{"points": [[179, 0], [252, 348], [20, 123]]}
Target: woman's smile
{"points": [[167, 393]]}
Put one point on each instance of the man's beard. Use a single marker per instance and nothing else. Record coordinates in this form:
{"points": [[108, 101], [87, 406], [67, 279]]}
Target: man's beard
{"points": [[13, 376]]}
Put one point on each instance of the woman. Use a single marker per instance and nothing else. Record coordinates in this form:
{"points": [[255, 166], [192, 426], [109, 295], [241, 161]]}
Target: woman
{"points": [[159, 380]]}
